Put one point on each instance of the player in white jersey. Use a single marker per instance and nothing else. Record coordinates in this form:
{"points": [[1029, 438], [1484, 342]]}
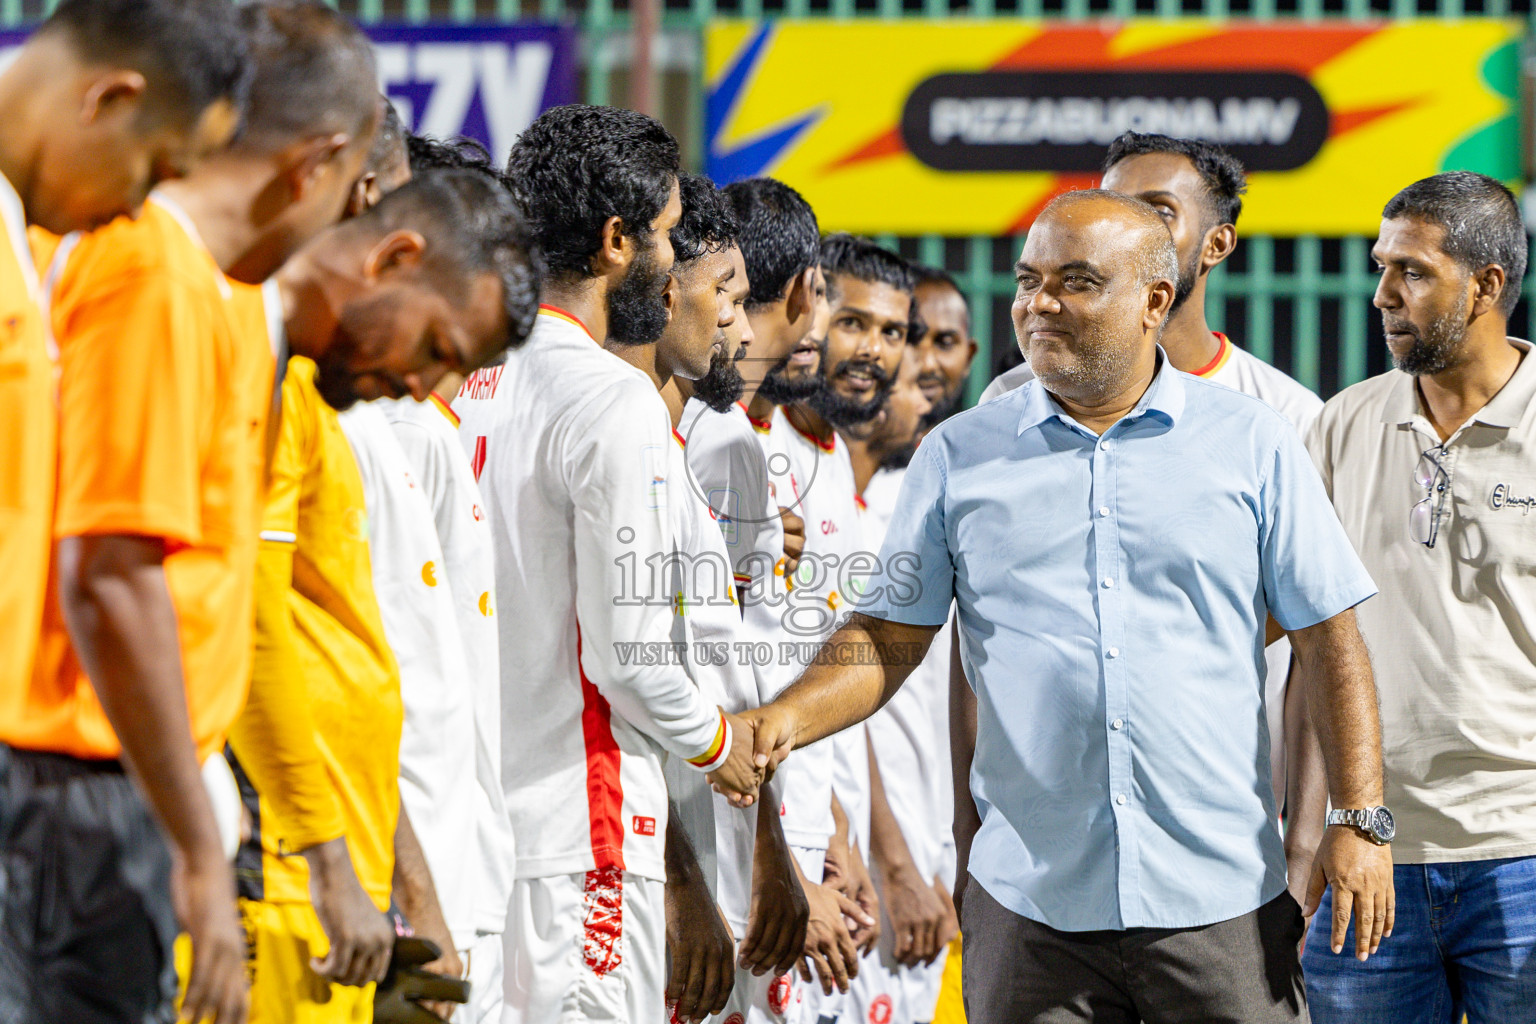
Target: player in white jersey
{"points": [[423, 632], [571, 445], [787, 312], [428, 435], [909, 737], [706, 334], [870, 300], [1198, 188]]}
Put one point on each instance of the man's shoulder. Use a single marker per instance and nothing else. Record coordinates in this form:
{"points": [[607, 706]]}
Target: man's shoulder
{"points": [[1367, 399], [1219, 407]]}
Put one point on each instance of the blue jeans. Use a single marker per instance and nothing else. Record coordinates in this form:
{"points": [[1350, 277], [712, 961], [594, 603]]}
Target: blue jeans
{"points": [[1463, 944]]}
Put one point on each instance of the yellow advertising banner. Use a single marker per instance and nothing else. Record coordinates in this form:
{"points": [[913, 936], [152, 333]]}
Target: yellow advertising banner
{"points": [[968, 127]]}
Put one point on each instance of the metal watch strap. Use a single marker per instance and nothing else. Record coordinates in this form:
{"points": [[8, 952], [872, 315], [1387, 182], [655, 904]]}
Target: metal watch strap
{"points": [[1359, 818]]}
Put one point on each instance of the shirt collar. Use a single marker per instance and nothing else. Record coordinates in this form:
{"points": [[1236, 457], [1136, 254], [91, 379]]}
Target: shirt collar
{"points": [[1503, 409], [1165, 396]]}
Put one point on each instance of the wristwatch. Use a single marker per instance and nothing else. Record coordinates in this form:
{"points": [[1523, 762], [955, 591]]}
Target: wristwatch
{"points": [[1376, 822]]}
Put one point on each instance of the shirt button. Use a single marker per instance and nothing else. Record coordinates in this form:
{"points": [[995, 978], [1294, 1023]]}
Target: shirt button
{"points": [[1109, 581], [1117, 724], [1103, 511], [1107, 445], [1121, 799], [1113, 652]]}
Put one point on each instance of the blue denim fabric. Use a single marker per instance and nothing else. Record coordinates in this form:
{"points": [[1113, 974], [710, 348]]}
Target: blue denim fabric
{"points": [[1463, 944]]}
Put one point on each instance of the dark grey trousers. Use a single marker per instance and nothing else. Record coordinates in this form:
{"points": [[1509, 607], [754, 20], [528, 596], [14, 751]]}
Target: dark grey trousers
{"points": [[1017, 971]]}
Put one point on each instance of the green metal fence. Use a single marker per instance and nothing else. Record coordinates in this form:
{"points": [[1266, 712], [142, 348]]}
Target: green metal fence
{"points": [[1302, 303]]}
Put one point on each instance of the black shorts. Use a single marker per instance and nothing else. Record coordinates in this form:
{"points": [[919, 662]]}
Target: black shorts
{"points": [[87, 929]]}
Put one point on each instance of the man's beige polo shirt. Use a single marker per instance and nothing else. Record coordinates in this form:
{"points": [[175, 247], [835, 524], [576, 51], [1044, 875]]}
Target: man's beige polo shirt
{"points": [[1452, 633]]}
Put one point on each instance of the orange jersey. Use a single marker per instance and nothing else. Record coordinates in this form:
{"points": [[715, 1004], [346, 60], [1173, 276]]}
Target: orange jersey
{"points": [[163, 407], [28, 430]]}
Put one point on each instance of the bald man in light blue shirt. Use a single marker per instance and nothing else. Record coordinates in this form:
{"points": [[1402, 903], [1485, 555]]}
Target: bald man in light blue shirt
{"points": [[1115, 536]]}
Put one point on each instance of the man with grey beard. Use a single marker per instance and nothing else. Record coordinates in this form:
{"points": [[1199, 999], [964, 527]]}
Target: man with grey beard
{"points": [[1432, 469]]}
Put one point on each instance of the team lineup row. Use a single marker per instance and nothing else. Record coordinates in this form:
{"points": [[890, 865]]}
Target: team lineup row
{"points": [[570, 592]]}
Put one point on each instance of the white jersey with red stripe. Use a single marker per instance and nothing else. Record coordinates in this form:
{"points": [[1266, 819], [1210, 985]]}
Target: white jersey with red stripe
{"points": [[423, 631], [571, 446], [1243, 371], [707, 622], [428, 433], [826, 586]]}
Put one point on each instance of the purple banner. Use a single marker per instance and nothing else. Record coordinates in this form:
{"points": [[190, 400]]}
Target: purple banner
{"points": [[484, 81]]}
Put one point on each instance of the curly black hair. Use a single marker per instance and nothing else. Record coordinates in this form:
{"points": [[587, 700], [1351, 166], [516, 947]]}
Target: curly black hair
{"points": [[1223, 174], [708, 223], [779, 236], [576, 166]]}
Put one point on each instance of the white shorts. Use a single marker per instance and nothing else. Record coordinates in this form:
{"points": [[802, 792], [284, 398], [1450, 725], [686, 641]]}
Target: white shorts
{"points": [[887, 993], [586, 947], [486, 998]]}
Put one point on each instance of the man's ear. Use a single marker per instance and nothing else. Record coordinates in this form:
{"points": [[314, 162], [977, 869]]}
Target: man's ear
{"points": [[801, 299], [365, 194], [107, 91], [1159, 302], [1488, 285], [614, 250], [1218, 244], [671, 295], [397, 250], [304, 160]]}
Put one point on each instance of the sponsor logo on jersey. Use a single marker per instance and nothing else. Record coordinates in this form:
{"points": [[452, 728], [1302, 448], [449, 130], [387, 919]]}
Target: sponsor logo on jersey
{"points": [[644, 826], [880, 1011], [780, 993]]}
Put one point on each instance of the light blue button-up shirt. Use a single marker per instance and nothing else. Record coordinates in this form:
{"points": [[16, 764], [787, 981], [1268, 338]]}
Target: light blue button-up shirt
{"points": [[1112, 593]]}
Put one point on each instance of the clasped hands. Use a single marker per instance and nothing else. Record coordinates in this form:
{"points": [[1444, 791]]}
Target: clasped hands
{"points": [[760, 741]]}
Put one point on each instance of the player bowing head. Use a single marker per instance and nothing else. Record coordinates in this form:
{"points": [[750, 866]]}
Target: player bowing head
{"points": [[110, 97], [442, 275], [599, 187]]}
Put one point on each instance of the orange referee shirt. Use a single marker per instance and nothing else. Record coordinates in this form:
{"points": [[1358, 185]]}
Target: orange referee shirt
{"points": [[162, 415], [28, 425]]}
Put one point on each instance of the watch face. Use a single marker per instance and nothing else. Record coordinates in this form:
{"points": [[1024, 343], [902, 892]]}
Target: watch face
{"points": [[1383, 826]]}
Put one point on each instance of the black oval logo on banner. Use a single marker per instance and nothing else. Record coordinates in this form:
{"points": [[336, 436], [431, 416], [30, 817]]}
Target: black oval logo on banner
{"points": [[1064, 120]]}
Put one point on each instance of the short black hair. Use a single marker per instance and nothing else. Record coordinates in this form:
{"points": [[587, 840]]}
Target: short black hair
{"points": [[708, 223], [388, 148], [314, 74], [472, 225], [1224, 176], [576, 166], [1482, 224], [846, 255], [779, 236], [935, 275], [192, 52]]}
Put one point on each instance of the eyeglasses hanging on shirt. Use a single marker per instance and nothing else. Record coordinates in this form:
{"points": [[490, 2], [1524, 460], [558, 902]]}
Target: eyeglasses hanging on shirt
{"points": [[1424, 518]]}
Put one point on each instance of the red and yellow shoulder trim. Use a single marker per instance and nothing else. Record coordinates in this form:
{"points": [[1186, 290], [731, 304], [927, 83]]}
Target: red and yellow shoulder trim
{"points": [[718, 750], [444, 408], [545, 309], [761, 426], [858, 499], [1222, 355]]}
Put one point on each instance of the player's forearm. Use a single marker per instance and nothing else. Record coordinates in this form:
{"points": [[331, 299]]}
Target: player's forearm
{"points": [[274, 737], [414, 890], [1341, 698], [122, 624], [682, 863], [854, 674], [1306, 780]]}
